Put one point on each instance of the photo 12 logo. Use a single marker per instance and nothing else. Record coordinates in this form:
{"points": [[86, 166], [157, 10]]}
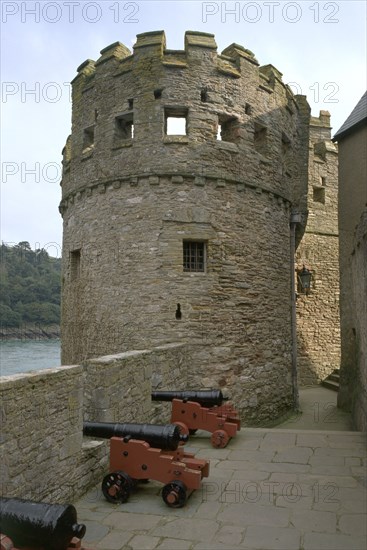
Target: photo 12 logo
{"points": [[270, 12], [37, 92], [49, 173], [70, 12], [319, 93], [237, 492]]}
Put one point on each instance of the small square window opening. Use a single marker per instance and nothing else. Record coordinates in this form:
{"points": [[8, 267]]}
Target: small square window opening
{"points": [[124, 127], [175, 121], [227, 129], [319, 194]]}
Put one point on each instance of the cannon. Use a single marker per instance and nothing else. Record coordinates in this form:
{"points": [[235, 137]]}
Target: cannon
{"points": [[134, 458], [206, 398], [165, 436], [38, 525], [204, 410]]}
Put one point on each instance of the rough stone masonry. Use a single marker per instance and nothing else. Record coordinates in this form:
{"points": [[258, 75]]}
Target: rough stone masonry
{"points": [[179, 179]]}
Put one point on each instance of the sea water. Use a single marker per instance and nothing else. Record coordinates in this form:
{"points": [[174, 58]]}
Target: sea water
{"points": [[18, 356]]}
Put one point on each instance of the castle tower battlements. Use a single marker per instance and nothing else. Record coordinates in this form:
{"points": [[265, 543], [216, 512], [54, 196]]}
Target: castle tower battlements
{"points": [[179, 179], [257, 113]]}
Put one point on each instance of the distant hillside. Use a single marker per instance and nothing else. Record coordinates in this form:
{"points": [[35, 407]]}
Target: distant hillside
{"points": [[30, 284]]}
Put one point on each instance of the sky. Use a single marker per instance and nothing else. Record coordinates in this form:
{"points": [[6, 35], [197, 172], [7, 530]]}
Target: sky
{"points": [[319, 47]]}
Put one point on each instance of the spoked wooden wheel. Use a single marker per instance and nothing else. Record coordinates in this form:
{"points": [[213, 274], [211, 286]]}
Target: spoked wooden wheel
{"points": [[219, 439], [174, 494], [117, 487]]}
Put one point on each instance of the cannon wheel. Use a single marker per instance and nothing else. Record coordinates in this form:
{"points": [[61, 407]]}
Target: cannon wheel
{"points": [[184, 430], [174, 494], [117, 486], [219, 439]]}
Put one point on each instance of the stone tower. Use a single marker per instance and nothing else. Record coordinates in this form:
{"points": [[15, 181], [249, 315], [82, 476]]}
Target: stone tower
{"points": [[318, 319], [179, 179]]}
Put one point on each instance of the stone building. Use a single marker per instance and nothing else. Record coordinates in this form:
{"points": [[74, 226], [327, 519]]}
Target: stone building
{"points": [[318, 322], [181, 176], [352, 140]]}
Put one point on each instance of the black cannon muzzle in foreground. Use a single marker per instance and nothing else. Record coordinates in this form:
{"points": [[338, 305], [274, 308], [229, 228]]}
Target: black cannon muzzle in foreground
{"points": [[206, 398], [39, 525], [166, 437]]}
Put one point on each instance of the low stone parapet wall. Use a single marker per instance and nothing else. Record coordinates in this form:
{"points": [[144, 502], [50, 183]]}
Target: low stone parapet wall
{"points": [[42, 450]]}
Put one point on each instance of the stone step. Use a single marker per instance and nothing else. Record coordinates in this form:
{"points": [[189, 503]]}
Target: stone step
{"points": [[330, 384], [334, 377]]}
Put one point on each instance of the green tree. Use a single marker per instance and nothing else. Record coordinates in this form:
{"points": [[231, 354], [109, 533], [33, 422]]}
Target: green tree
{"points": [[8, 317], [29, 285]]}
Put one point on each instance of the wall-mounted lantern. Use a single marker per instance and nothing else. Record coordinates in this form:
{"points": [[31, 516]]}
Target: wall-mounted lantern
{"points": [[304, 277]]}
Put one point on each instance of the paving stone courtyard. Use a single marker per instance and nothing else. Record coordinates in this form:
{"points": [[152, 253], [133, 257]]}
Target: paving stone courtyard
{"points": [[270, 489]]}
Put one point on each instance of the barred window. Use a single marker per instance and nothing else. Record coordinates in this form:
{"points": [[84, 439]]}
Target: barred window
{"points": [[194, 256]]}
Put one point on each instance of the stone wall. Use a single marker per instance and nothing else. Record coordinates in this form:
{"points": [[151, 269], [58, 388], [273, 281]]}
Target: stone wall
{"points": [[132, 196], [318, 323], [359, 285], [352, 204], [318, 319], [43, 453], [41, 434]]}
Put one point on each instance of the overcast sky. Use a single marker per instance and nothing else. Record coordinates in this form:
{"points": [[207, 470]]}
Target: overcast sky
{"points": [[320, 47]]}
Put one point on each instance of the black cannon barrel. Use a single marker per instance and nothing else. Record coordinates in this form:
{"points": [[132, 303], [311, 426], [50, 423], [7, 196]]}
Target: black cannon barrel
{"points": [[206, 398], [38, 524], [165, 436]]}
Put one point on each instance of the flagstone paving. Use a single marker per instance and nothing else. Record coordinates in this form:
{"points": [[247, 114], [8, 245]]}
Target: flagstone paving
{"points": [[280, 489]]}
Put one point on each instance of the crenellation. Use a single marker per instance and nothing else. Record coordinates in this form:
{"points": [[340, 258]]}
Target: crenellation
{"points": [[115, 51], [197, 39], [322, 120], [323, 148], [272, 74], [154, 40], [240, 53], [175, 59], [125, 66], [87, 68], [264, 85], [226, 66]]}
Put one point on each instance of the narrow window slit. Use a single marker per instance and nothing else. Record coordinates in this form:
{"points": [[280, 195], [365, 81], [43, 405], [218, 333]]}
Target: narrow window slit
{"points": [[178, 313], [75, 264]]}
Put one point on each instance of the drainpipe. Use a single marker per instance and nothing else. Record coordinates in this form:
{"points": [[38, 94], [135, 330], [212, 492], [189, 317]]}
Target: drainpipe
{"points": [[295, 219]]}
